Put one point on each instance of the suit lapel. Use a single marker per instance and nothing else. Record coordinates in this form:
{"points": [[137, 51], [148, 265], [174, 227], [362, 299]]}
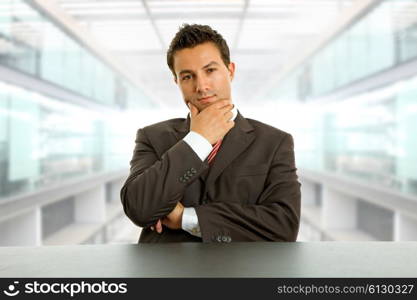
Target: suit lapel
{"points": [[233, 144]]}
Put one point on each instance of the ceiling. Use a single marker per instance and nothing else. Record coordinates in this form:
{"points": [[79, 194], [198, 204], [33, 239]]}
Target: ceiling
{"points": [[262, 35]]}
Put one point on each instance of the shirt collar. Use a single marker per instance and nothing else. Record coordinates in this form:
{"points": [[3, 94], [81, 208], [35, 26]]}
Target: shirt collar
{"points": [[234, 112]]}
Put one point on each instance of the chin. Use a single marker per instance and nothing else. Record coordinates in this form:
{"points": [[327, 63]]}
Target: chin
{"points": [[205, 105], [201, 108]]}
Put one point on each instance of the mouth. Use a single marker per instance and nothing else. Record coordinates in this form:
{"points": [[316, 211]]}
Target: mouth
{"points": [[206, 99]]}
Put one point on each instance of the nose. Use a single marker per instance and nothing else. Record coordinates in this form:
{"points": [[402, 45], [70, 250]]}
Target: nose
{"points": [[202, 84]]}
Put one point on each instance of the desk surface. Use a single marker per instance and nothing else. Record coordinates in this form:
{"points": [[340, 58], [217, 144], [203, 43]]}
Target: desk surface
{"points": [[302, 259]]}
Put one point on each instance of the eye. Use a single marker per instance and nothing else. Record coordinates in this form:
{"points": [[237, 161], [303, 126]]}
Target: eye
{"points": [[210, 70], [186, 77]]}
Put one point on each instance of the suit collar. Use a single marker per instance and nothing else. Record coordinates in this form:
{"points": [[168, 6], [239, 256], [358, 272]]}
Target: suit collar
{"points": [[242, 123], [184, 125]]}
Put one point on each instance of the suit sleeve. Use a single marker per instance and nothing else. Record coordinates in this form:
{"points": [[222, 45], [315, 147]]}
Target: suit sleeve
{"points": [[155, 185], [274, 217]]}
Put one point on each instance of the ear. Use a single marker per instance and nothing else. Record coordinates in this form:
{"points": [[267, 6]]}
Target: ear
{"points": [[231, 68]]}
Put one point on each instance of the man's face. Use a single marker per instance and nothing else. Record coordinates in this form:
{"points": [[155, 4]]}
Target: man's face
{"points": [[202, 76]]}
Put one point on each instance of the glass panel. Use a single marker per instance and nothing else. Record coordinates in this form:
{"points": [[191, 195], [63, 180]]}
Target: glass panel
{"points": [[406, 114], [24, 147], [381, 39], [52, 55]]}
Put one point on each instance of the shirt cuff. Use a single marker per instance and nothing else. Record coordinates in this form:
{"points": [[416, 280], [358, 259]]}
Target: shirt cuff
{"points": [[190, 221], [199, 144]]}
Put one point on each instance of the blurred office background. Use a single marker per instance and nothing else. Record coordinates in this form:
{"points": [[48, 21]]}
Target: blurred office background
{"points": [[79, 77]]}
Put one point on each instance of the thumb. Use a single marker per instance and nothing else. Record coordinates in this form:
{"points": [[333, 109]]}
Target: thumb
{"points": [[193, 110]]}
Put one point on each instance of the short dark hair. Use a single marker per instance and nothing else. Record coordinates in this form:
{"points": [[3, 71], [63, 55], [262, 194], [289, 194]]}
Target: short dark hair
{"points": [[190, 36]]}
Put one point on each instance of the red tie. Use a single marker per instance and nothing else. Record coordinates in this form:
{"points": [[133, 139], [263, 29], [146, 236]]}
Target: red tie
{"points": [[214, 151]]}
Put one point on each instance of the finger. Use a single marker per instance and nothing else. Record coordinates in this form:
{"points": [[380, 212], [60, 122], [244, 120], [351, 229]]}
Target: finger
{"points": [[193, 110], [152, 228], [226, 108], [228, 115], [223, 103], [159, 226], [230, 124]]}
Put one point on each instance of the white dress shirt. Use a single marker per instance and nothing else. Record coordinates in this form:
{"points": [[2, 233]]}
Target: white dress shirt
{"points": [[202, 148]]}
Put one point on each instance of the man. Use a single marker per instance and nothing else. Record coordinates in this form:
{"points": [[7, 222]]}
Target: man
{"points": [[215, 176]]}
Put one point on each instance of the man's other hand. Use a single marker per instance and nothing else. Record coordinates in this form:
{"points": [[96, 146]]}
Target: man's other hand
{"points": [[213, 122], [173, 220], [158, 226]]}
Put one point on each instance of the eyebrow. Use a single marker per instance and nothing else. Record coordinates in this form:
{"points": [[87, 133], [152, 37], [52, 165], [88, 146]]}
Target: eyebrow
{"points": [[206, 66]]}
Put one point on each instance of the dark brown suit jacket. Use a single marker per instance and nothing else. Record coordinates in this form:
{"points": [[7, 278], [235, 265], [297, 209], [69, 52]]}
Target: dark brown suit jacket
{"points": [[250, 192]]}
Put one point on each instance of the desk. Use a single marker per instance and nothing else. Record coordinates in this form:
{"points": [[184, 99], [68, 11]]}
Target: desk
{"points": [[301, 259]]}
